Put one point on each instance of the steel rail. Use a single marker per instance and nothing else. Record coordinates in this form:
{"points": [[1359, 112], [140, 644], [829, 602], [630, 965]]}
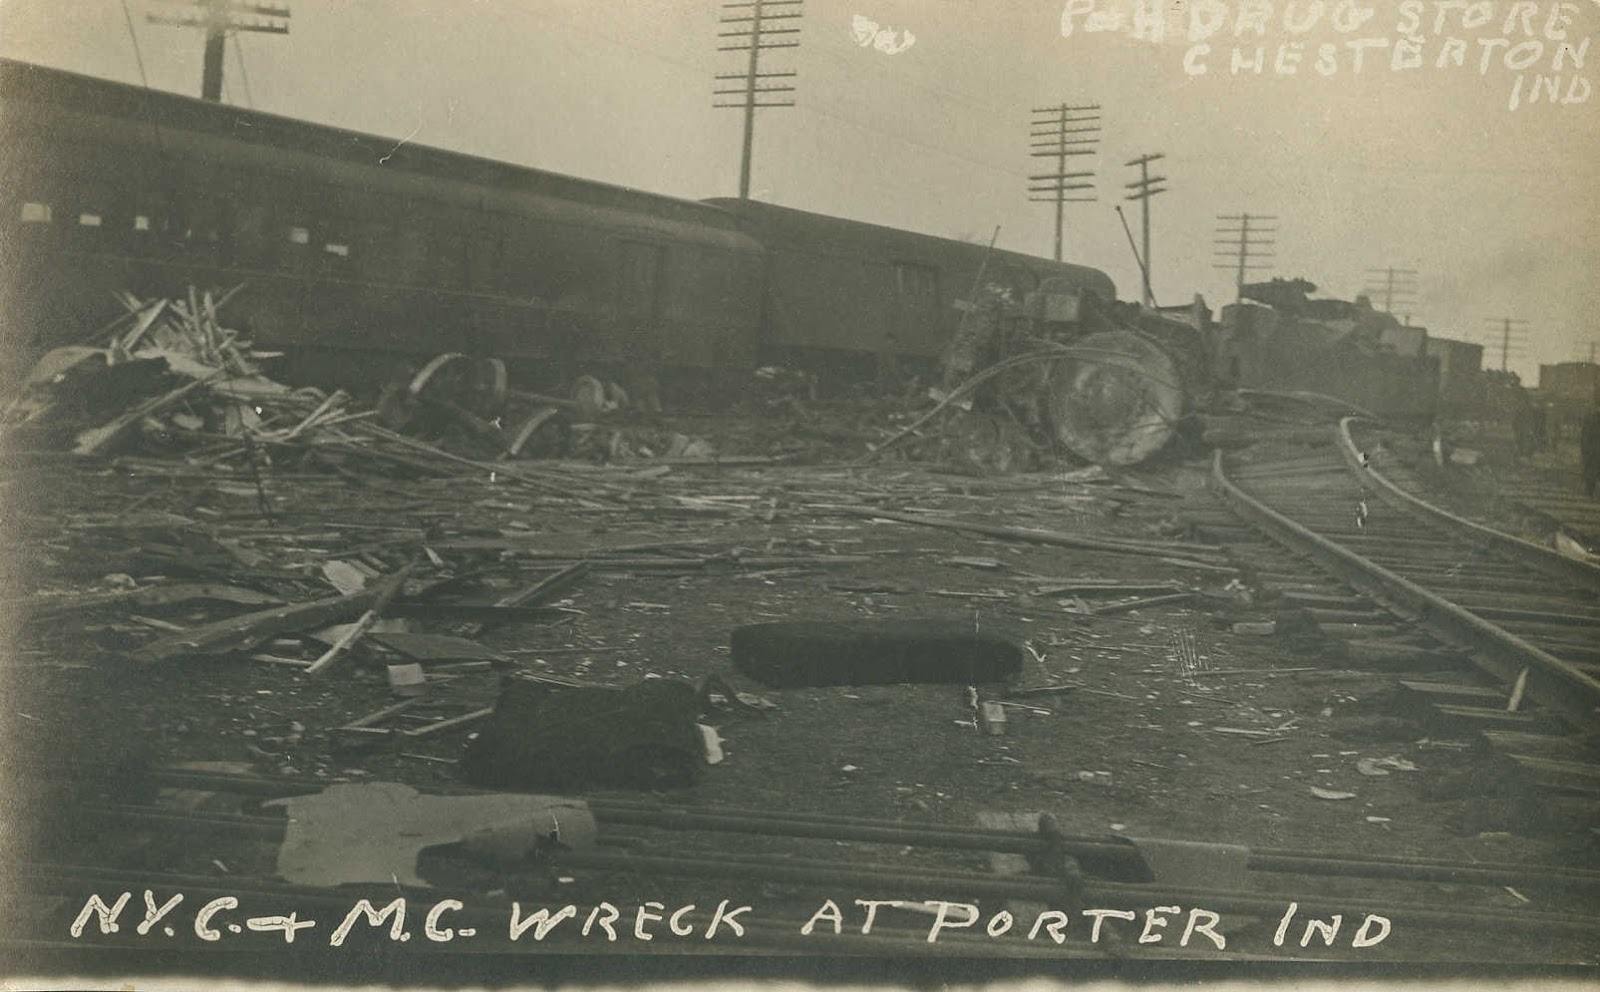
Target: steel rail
{"points": [[1553, 683], [1108, 894], [490, 915], [1121, 857], [1094, 892], [1546, 560]]}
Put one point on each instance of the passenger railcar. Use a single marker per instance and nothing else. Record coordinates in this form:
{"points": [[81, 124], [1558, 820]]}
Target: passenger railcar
{"points": [[351, 247], [862, 298], [347, 243]]}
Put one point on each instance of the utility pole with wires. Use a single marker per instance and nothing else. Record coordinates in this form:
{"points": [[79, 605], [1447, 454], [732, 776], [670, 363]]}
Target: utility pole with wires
{"points": [[1243, 244], [1050, 128], [1394, 287], [220, 18], [758, 20], [1144, 188], [1507, 325]]}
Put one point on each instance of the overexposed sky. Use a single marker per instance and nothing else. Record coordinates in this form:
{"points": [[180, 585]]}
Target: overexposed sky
{"points": [[1424, 168]]}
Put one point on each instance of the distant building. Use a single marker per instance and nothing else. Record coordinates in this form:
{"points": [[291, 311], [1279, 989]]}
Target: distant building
{"points": [[1407, 339], [1338, 352], [1571, 383], [1572, 389], [1461, 386]]}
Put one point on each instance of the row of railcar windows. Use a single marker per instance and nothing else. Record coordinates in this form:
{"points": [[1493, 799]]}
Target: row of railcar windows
{"points": [[218, 233], [250, 234]]}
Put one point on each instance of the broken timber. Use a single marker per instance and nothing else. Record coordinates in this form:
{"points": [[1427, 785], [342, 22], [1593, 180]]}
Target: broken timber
{"points": [[386, 591], [251, 629], [97, 440], [1038, 536]]}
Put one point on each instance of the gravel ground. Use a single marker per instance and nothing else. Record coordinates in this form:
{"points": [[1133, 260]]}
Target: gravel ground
{"points": [[1167, 723]]}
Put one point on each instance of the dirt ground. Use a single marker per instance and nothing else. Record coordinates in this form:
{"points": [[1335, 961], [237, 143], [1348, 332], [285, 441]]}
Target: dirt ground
{"points": [[1168, 723]]}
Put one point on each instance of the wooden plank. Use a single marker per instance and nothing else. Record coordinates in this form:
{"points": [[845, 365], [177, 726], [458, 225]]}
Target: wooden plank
{"points": [[1106, 589], [415, 609], [1568, 776], [1480, 716], [1557, 747], [383, 714], [97, 440], [1139, 604], [247, 631], [385, 592], [1444, 691], [455, 721], [1398, 655], [1176, 549], [548, 587], [44, 607], [435, 647]]}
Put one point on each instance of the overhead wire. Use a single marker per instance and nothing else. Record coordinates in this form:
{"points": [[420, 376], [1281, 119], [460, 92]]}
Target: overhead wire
{"points": [[244, 74], [144, 79], [138, 55]]}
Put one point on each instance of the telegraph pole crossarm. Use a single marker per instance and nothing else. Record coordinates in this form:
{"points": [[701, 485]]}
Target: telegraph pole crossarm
{"points": [[1243, 245], [1506, 326], [1396, 286], [760, 24], [1146, 187], [1055, 124], [218, 19]]}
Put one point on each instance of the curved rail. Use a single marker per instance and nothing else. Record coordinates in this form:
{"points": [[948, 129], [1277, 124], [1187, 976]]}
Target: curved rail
{"points": [[1551, 682], [1546, 560]]}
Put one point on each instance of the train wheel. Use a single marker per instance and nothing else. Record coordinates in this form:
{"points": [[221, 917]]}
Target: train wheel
{"points": [[477, 385]]}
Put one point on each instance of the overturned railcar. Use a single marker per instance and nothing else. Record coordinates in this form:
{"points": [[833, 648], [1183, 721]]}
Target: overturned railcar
{"points": [[350, 246], [1329, 347], [360, 256], [861, 300]]}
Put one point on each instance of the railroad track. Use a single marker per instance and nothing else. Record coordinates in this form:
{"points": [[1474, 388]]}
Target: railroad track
{"points": [[1504, 630], [648, 848], [1562, 509], [1540, 505]]}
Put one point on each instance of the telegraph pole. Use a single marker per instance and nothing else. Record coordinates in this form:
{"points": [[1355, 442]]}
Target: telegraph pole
{"points": [[1505, 336], [1051, 125], [219, 18], [1393, 286], [757, 27], [1144, 188], [1243, 243]]}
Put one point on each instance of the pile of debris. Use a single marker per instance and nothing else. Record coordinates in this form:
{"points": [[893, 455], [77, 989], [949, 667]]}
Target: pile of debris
{"points": [[1064, 373], [165, 366], [168, 376]]}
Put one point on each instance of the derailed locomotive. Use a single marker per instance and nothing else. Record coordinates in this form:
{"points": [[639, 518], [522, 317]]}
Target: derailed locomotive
{"points": [[358, 253]]}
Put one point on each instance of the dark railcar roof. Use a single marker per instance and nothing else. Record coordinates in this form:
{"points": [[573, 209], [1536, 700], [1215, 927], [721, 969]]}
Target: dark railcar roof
{"points": [[785, 226], [22, 82]]}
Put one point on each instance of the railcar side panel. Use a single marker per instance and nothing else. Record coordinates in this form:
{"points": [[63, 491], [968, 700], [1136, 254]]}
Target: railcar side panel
{"points": [[343, 248], [845, 286]]}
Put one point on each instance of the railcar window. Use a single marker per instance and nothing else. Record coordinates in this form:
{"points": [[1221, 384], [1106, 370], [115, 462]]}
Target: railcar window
{"points": [[299, 235], [89, 220], [141, 222], [335, 252], [212, 234], [252, 225], [177, 221], [36, 213], [916, 282]]}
